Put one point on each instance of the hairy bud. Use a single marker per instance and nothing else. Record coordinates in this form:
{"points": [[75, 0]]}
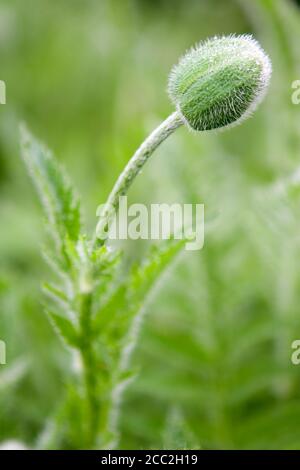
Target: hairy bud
{"points": [[220, 82]]}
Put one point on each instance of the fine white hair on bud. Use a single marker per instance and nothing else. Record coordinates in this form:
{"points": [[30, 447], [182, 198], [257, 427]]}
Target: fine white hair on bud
{"points": [[220, 82]]}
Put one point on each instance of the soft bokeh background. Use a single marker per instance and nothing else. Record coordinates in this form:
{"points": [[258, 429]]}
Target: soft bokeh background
{"points": [[89, 77]]}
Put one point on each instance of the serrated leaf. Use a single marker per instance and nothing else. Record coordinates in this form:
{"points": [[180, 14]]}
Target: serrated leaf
{"points": [[129, 295], [177, 434], [145, 276], [56, 194], [65, 329], [109, 311], [55, 293]]}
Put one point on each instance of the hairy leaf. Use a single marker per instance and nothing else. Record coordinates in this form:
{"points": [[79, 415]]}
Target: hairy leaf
{"points": [[60, 205], [65, 329]]}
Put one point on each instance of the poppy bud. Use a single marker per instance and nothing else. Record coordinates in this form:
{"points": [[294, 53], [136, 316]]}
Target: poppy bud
{"points": [[220, 82]]}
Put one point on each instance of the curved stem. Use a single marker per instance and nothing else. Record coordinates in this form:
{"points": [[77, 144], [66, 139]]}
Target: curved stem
{"points": [[110, 208], [133, 168]]}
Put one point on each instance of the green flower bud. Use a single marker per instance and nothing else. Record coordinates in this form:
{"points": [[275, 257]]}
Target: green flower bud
{"points": [[220, 82]]}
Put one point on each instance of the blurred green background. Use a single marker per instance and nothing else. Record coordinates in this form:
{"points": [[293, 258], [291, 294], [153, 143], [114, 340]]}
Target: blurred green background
{"points": [[89, 78]]}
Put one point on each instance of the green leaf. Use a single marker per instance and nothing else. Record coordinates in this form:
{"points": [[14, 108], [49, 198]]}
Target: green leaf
{"points": [[65, 329], [110, 310], [60, 206], [130, 294], [177, 434], [55, 293], [145, 276]]}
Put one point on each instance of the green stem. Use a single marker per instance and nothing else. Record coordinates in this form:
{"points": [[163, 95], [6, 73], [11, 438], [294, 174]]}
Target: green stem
{"points": [[133, 168], [89, 367], [122, 185]]}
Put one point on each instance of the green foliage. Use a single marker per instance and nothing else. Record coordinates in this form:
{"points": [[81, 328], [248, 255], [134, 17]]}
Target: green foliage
{"points": [[97, 308], [177, 434], [61, 208], [65, 328], [216, 341]]}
